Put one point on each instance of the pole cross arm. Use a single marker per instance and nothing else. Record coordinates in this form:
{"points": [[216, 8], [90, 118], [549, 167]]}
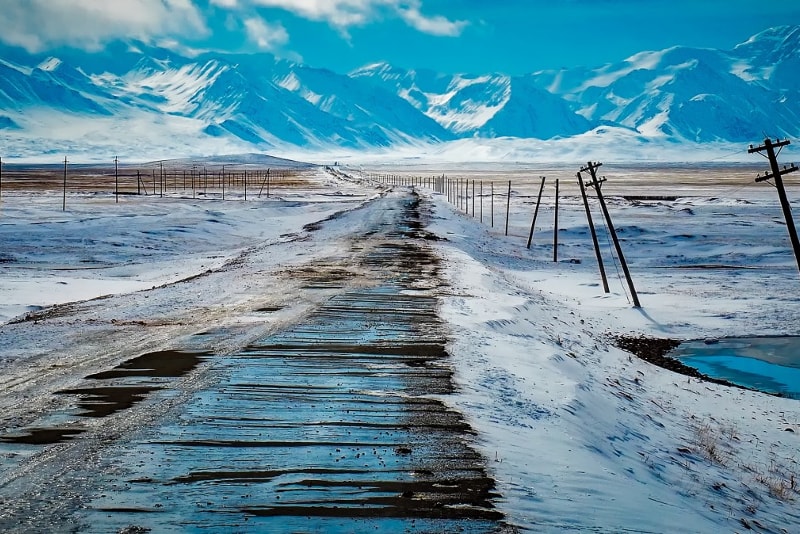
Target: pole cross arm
{"points": [[591, 166], [596, 182], [770, 176], [767, 143]]}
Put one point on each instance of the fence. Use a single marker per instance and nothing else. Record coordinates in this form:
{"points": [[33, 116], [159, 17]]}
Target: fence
{"points": [[192, 181]]}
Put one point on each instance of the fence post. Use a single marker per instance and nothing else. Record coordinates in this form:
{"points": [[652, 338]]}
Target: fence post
{"points": [[473, 198]]}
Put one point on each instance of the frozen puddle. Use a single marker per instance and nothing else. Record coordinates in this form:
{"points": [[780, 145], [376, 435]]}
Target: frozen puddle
{"points": [[769, 364], [329, 426]]}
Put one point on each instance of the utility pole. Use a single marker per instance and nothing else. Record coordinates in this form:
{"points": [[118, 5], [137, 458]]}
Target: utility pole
{"points": [[116, 179], [508, 204], [591, 168], [535, 213], [555, 228], [594, 235], [64, 198], [775, 173], [1, 178]]}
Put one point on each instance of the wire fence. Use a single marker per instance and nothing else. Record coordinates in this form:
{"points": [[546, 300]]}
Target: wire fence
{"points": [[224, 182]]}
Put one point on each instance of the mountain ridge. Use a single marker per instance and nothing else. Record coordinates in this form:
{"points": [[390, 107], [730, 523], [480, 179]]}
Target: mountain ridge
{"points": [[247, 102]]}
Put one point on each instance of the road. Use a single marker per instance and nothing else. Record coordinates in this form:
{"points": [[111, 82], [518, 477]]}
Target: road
{"points": [[298, 388]]}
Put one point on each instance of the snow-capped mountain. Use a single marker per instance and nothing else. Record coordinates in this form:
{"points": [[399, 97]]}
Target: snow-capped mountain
{"points": [[694, 94], [680, 93], [132, 93], [250, 100], [491, 105]]}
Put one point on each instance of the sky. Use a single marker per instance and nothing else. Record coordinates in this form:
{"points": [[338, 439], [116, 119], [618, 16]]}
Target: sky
{"points": [[449, 36]]}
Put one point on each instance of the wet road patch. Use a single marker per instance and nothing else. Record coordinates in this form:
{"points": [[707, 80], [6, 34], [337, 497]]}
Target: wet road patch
{"points": [[109, 392], [332, 425]]}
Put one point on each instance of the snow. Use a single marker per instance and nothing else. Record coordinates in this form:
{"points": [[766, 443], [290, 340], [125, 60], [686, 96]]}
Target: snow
{"points": [[576, 427], [50, 64], [257, 102], [578, 434]]}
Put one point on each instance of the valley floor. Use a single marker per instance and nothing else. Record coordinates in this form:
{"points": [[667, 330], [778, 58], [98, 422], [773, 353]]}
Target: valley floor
{"points": [[576, 433]]}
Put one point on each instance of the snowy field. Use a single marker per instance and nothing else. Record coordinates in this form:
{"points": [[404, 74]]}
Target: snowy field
{"points": [[580, 435]]}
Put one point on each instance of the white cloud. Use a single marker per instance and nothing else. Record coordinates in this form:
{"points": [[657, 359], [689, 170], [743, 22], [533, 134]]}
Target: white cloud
{"points": [[346, 13], [266, 36], [436, 25], [39, 24], [340, 13]]}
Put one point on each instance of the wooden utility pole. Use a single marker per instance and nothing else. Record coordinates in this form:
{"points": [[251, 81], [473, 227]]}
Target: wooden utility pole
{"points": [[116, 179], [535, 213], [64, 198], [1, 178], [491, 208], [591, 168], [508, 204], [775, 173], [555, 228], [594, 235]]}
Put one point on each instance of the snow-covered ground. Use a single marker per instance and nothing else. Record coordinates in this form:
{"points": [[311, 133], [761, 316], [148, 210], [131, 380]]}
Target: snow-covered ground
{"points": [[584, 436], [579, 434]]}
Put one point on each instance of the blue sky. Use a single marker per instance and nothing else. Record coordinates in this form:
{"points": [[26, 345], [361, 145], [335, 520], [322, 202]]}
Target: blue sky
{"points": [[509, 36]]}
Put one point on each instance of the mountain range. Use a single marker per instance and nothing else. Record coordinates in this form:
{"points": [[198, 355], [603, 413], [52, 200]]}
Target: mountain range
{"points": [[136, 95]]}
